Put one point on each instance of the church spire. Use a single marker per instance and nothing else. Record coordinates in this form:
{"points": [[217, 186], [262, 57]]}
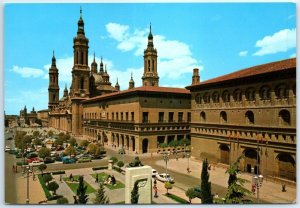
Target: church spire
{"points": [[53, 60], [94, 65], [117, 86], [80, 24], [131, 82], [101, 66]]}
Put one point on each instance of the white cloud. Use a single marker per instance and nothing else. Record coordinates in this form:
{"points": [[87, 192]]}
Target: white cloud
{"points": [[27, 72], [174, 57], [293, 55], [280, 41], [243, 53]]}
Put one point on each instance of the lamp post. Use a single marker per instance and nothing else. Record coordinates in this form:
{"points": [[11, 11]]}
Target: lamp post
{"points": [[27, 170], [166, 159], [257, 180], [188, 158]]}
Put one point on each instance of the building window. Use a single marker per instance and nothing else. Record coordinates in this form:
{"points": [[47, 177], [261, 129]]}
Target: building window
{"points": [[250, 94], [171, 116], [161, 117], [121, 116], [206, 98], [249, 117], [132, 116], [189, 117], [281, 91], [202, 117], [198, 98], [112, 116], [237, 95], [284, 118], [216, 97], [126, 116], [223, 117], [117, 116], [180, 116], [145, 117], [226, 96], [265, 93]]}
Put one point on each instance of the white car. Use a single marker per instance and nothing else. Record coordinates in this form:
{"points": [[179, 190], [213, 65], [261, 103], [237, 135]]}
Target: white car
{"points": [[7, 148], [164, 178], [154, 173], [36, 163]]}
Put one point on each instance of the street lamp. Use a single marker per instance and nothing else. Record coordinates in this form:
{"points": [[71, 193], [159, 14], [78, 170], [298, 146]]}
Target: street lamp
{"points": [[27, 170], [166, 159], [188, 158], [257, 181]]}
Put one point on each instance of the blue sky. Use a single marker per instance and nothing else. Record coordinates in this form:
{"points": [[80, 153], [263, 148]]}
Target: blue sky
{"points": [[217, 38]]}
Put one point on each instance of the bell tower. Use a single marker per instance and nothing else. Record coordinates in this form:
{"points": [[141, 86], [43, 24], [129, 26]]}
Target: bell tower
{"points": [[150, 76], [53, 89], [81, 70]]}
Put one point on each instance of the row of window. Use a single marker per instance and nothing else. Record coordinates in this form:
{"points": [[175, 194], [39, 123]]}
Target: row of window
{"points": [[284, 117], [281, 91], [161, 117]]}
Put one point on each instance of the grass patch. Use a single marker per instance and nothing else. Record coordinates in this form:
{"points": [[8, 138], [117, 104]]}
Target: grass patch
{"points": [[103, 177], [177, 198], [74, 185], [46, 191]]}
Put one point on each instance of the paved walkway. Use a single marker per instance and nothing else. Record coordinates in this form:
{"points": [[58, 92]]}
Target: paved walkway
{"points": [[270, 191]]}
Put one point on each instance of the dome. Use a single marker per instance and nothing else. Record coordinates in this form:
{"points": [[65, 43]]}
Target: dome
{"points": [[98, 79]]}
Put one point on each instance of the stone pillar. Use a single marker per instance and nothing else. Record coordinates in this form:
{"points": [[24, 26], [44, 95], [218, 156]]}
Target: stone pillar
{"points": [[110, 164]]}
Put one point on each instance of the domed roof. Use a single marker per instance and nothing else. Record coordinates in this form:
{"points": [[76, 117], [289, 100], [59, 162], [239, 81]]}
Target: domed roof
{"points": [[98, 79]]}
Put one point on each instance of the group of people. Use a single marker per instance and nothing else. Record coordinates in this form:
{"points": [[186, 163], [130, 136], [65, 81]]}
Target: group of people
{"points": [[111, 180]]}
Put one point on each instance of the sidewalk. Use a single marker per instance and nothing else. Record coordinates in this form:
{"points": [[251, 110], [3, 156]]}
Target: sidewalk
{"points": [[270, 191]]}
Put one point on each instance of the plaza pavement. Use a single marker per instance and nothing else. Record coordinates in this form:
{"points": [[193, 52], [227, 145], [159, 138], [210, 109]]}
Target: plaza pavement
{"points": [[270, 190]]}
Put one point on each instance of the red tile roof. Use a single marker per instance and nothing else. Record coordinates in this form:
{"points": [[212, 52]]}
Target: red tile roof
{"points": [[252, 71], [142, 89]]}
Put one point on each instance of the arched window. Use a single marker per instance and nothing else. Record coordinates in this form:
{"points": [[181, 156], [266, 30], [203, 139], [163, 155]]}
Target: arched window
{"points": [[202, 117], [226, 96], [250, 94], [149, 65], [82, 83], [237, 95], [215, 97], [223, 117], [198, 98], [284, 118], [77, 57], [249, 117], [153, 65], [265, 93], [281, 91], [206, 98]]}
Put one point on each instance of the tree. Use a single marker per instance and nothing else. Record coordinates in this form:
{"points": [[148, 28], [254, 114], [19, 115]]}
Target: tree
{"points": [[101, 198], [62, 200], [191, 193], [53, 186], [135, 193], [73, 142], [50, 133], [35, 134], [47, 178], [92, 148], [44, 152], [84, 143], [42, 167], [70, 150], [163, 145], [236, 193], [27, 139], [120, 164], [81, 192], [168, 186], [37, 141], [59, 141], [206, 196], [114, 159], [173, 143], [184, 141], [100, 151]]}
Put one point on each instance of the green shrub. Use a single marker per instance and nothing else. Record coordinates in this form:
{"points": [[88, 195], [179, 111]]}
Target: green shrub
{"points": [[46, 191], [21, 163], [116, 168], [120, 164], [100, 168], [62, 200], [58, 172], [114, 159]]}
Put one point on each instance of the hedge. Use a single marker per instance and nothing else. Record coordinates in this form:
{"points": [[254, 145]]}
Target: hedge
{"points": [[21, 163], [100, 168], [117, 169], [46, 191], [58, 172], [177, 198]]}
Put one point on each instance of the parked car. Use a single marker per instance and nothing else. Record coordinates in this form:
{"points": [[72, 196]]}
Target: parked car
{"points": [[164, 178], [154, 173], [84, 159], [7, 148], [53, 153], [49, 160], [68, 160], [29, 149], [36, 163], [30, 160], [59, 148]]}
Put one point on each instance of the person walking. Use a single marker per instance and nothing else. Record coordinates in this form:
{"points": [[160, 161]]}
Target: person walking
{"points": [[155, 191], [97, 180]]}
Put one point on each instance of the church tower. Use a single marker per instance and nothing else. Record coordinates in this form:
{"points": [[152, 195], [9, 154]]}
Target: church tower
{"points": [[53, 89], [131, 83], [150, 76], [81, 70]]}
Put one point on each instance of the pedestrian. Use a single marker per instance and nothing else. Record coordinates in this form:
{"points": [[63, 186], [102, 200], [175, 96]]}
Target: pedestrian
{"points": [[71, 177], [176, 157], [60, 178], [13, 168], [96, 181], [188, 170], [155, 191]]}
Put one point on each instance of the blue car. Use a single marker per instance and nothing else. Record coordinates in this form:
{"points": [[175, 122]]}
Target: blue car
{"points": [[68, 160]]}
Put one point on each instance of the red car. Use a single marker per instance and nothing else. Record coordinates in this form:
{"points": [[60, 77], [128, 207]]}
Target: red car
{"points": [[33, 159]]}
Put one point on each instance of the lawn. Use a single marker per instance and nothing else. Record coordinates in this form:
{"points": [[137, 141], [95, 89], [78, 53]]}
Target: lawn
{"points": [[103, 176], [74, 185], [177, 198]]}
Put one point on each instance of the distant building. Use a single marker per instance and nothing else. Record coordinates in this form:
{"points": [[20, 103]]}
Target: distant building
{"points": [[42, 117], [251, 112], [27, 119]]}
